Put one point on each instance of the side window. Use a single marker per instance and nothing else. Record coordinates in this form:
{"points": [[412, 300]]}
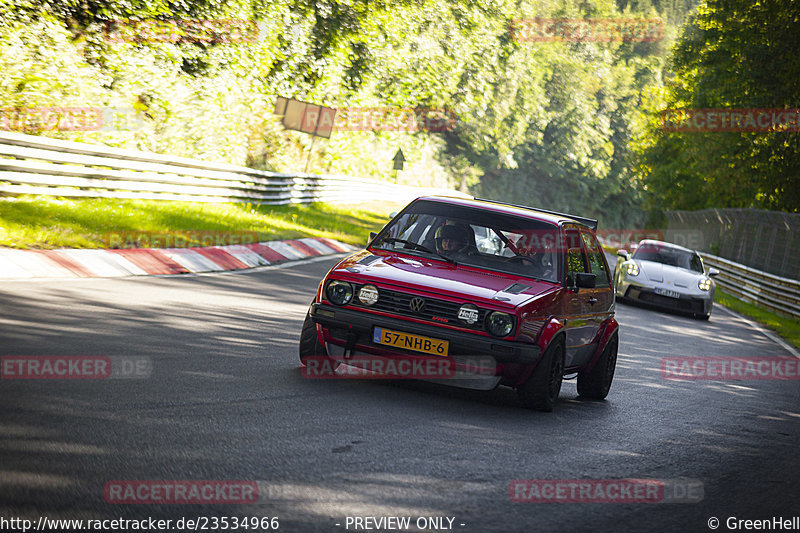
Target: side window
{"points": [[576, 258], [696, 264], [596, 262]]}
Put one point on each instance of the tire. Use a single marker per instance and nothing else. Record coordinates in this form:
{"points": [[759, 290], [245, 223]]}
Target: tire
{"points": [[541, 390], [703, 317], [596, 384], [309, 342]]}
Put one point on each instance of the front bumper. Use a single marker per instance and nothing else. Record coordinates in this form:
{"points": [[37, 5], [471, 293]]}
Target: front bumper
{"points": [[349, 332], [696, 305]]}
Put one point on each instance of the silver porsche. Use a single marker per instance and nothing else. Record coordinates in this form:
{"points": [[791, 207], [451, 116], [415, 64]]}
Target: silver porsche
{"points": [[666, 276]]}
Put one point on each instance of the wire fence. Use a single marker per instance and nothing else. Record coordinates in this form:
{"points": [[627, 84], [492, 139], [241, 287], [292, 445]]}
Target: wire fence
{"points": [[764, 240]]}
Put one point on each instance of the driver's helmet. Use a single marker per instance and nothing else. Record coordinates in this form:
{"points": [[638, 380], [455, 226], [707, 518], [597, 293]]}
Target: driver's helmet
{"points": [[452, 238]]}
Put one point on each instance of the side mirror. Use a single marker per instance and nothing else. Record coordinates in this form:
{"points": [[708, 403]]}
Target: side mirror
{"points": [[393, 214], [623, 254], [713, 272], [372, 236], [585, 280]]}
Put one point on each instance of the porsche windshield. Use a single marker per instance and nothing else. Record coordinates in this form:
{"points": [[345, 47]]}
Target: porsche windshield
{"points": [[667, 255], [475, 237]]}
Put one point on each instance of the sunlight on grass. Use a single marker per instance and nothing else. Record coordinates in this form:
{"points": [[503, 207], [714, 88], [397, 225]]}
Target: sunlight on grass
{"points": [[38, 222], [786, 327]]}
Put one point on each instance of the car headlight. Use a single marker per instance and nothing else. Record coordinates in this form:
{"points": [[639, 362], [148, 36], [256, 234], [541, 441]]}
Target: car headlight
{"points": [[368, 294], [704, 284], [499, 324], [339, 292], [632, 269]]}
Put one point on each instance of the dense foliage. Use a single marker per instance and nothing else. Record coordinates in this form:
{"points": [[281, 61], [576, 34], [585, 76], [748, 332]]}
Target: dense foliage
{"points": [[732, 54], [544, 123]]}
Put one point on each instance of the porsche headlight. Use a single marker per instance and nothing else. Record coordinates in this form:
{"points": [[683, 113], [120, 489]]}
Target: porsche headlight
{"points": [[339, 292], [704, 284], [499, 324], [632, 269]]}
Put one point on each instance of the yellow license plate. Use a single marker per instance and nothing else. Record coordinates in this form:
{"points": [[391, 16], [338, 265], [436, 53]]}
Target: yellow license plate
{"points": [[417, 343]]}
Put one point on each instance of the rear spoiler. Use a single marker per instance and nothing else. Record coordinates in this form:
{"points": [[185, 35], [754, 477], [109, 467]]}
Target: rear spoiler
{"points": [[590, 222]]}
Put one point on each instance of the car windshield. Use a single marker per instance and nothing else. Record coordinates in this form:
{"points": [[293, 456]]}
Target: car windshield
{"points": [[667, 255], [474, 237]]}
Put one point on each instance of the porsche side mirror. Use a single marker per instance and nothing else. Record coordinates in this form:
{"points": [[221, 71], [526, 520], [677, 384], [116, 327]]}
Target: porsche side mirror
{"points": [[713, 272], [372, 236], [623, 254]]}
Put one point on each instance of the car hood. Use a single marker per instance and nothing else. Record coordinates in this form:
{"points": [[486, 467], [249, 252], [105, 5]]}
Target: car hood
{"points": [[420, 273], [661, 273]]}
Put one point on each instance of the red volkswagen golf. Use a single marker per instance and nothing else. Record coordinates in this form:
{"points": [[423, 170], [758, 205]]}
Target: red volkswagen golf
{"points": [[472, 293]]}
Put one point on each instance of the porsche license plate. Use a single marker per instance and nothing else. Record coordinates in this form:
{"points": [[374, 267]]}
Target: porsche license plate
{"points": [[417, 343], [667, 292]]}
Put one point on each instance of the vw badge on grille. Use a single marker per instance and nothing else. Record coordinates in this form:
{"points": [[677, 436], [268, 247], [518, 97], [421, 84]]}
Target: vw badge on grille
{"points": [[417, 304]]}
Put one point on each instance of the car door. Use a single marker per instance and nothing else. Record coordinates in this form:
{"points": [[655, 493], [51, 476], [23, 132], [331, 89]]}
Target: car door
{"points": [[579, 322], [600, 299]]}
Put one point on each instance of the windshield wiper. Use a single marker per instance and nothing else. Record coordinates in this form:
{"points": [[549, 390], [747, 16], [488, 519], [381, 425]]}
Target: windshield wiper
{"points": [[419, 247]]}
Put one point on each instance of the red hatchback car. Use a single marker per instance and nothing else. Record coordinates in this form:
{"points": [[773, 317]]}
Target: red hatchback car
{"points": [[491, 293]]}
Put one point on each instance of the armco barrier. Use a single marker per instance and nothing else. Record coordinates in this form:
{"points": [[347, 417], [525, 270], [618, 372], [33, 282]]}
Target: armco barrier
{"points": [[32, 164], [778, 294]]}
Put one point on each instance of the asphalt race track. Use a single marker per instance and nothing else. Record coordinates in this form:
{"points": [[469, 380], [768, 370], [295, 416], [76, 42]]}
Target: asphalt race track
{"points": [[225, 400]]}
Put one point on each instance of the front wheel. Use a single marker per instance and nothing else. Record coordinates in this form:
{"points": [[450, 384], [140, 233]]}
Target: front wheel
{"points": [[596, 384], [309, 341], [541, 390]]}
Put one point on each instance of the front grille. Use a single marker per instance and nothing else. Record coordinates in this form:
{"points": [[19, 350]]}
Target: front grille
{"points": [[435, 310], [691, 305]]}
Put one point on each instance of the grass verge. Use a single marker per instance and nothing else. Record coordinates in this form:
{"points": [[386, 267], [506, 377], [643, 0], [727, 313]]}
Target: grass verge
{"points": [[44, 222], [788, 328]]}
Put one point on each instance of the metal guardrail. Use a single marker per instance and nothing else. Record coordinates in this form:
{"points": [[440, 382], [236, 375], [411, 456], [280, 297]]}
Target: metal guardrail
{"points": [[31, 164], [778, 294]]}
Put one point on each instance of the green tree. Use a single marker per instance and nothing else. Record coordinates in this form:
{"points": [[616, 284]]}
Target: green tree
{"points": [[731, 54]]}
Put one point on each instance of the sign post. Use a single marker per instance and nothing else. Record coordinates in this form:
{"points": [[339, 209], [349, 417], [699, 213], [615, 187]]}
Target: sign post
{"points": [[398, 161], [313, 119]]}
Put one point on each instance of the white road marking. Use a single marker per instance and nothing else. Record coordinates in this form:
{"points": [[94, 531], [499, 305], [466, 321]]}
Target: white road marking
{"points": [[768, 334]]}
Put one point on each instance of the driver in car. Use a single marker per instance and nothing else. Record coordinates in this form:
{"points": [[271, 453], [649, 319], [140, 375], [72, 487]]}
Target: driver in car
{"points": [[453, 239]]}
